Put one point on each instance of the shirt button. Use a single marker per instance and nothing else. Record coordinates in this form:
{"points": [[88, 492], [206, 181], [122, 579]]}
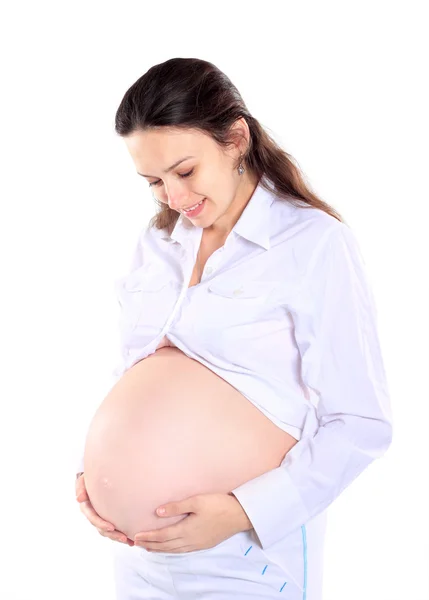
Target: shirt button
{"points": [[209, 270]]}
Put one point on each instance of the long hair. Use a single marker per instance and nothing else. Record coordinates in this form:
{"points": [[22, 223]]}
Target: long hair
{"points": [[193, 93]]}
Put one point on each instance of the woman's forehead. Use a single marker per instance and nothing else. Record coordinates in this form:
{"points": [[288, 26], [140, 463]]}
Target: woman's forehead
{"points": [[158, 149]]}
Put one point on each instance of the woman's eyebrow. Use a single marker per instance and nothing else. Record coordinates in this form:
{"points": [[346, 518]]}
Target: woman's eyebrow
{"points": [[169, 168]]}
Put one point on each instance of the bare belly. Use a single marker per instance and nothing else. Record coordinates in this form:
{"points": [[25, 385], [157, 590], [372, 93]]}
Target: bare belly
{"points": [[171, 428]]}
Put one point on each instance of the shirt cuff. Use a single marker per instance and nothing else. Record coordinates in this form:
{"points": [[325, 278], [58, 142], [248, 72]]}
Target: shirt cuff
{"points": [[273, 505]]}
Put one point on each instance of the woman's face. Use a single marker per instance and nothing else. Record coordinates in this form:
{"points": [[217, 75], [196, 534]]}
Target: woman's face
{"points": [[208, 172]]}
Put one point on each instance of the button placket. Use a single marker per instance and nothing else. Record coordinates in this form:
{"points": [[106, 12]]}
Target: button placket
{"points": [[209, 267]]}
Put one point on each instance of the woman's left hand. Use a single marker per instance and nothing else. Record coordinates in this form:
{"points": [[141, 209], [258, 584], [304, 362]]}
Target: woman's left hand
{"points": [[212, 519]]}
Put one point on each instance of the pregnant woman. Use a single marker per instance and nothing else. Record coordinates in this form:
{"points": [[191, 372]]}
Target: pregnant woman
{"points": [[252, 389]]}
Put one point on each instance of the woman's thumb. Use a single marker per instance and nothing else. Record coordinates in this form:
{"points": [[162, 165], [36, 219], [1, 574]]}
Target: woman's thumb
{"points": [[81, 494]]}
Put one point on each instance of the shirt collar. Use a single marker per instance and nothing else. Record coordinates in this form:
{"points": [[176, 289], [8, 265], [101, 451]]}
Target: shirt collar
{"points": [[253, 224]]}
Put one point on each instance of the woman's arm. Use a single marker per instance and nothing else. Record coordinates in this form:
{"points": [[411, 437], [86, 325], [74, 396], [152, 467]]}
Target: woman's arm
{"points": [[341, 361]]}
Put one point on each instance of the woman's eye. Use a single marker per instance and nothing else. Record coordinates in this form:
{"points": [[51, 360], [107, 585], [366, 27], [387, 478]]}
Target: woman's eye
{"points": [[181, 175], [187, 174]]}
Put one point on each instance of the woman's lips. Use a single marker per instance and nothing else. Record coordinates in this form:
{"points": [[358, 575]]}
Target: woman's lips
{"points": [[196, 211]]}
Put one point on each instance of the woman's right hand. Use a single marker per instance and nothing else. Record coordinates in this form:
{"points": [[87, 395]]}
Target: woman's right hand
{"points": [[95, 519]]}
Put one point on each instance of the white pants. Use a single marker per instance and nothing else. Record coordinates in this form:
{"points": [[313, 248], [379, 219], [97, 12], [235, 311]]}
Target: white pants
{"points": [[235, 569]]}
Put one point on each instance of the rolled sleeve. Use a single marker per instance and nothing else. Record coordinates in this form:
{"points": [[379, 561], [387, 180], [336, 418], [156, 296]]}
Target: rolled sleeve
{"points": [[336, 334]]}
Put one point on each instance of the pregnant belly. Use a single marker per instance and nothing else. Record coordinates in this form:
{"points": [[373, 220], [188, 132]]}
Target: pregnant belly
{"points": [[171, 428]]}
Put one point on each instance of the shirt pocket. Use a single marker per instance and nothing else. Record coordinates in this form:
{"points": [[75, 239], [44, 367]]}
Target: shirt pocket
{"points": [[256, 290], [234, 302], [146, 298]]}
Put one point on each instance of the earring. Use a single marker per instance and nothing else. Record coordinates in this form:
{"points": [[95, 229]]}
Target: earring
{"points": [[240, 166]]}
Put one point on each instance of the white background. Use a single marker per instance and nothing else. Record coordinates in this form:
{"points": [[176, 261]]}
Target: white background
{"points": [[341, 86]]}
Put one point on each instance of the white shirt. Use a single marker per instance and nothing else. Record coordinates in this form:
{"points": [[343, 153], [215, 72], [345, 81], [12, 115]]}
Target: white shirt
{"points": [[285, 314]]}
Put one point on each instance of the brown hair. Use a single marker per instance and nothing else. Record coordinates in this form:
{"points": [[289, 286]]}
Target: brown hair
{"points": [[192, 93]]}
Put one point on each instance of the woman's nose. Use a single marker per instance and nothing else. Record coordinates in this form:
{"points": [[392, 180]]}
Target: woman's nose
{"points": [[177, 198], [175, 203]]}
